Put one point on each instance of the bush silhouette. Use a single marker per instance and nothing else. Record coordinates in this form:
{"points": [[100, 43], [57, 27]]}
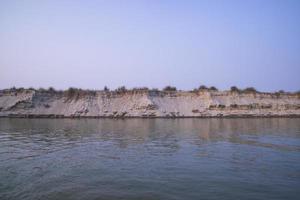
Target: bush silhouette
{"points": [[213, 88], [121, 89], [51, 90], [106, 89], [234, 89], [202, 87], [250, 90], [169, 88]]}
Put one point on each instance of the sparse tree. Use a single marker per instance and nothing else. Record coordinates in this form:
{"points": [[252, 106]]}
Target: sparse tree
{"points": [[106, 89]]}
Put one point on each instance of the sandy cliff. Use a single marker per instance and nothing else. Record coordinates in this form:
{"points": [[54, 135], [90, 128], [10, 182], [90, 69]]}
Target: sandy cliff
{"points": [[34, 103]]}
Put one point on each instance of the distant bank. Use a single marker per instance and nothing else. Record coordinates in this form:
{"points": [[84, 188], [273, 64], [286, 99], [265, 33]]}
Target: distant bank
{"points": [[142, 102]]}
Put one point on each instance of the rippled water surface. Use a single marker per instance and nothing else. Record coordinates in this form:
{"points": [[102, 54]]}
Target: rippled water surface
{"points": [[150, 159]]}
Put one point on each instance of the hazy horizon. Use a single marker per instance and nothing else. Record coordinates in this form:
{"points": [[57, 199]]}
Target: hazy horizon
{"points": [[92, 44]]}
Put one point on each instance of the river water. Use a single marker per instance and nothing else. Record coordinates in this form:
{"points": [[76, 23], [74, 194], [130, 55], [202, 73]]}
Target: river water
{"points": [[150, 158]]}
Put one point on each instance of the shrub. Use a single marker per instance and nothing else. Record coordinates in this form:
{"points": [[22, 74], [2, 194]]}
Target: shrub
{"points": [[233, 105], [213, 88], [234, 89], [51, 90], [106, 89], [202, 87], [154, 90], [41, 89], [90, 92], [13, 89], [140, 89], [77, 93], [121, 89], [250, 90], [195, 111], [221, 106], [21, 89], [170, 88], [71, 92]]}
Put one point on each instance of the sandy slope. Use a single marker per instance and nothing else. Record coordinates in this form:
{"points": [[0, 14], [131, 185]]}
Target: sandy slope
{"points": [[31, 103]]}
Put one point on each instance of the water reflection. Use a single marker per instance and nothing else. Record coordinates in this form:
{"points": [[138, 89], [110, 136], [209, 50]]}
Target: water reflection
{"points": [[165, 132], [149, 158]]}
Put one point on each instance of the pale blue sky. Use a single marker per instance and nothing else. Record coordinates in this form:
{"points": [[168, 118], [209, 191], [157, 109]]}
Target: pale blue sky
{"points": [[90, 44]]}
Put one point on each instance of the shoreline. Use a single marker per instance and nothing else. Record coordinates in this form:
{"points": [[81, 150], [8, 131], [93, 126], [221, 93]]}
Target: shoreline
{"points": [[144, 117]]}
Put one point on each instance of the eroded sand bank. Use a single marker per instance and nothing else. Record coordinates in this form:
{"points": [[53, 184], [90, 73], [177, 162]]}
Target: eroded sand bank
{"points": [[34, 103]]}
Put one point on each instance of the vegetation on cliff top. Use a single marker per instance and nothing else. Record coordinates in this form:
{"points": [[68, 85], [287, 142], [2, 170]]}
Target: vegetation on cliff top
{"points": [[73, 92]]}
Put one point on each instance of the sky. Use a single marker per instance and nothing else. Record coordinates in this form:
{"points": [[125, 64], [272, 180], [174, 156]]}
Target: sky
{"points": [[90, 44]]}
